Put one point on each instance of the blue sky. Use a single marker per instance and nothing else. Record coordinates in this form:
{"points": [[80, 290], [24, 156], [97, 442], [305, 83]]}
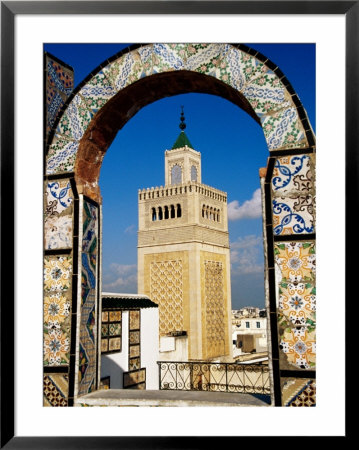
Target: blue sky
{"points": [[233, 149]]}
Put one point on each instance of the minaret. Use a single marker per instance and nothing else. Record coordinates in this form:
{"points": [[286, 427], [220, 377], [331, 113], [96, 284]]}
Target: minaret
{"points": [[183, 254]]}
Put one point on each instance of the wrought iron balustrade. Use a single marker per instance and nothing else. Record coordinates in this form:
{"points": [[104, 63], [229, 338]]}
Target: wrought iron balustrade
{"points": [[214, 377]]}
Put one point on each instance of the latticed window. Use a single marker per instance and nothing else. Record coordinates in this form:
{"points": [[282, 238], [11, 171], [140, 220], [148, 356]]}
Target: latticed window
{"points": [[111, 331], [193, 173], [176, 174]]}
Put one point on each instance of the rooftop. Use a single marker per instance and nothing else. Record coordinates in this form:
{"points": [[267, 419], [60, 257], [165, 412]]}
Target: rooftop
{"points": [[132, 397], [126, 301]]}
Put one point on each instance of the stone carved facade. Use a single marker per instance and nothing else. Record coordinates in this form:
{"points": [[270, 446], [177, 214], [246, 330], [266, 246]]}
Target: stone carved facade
{"points": [[183, 234], [167, 292]]}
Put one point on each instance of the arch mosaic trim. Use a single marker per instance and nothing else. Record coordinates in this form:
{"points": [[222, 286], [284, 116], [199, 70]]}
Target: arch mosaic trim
{"points": [[279, 111]]}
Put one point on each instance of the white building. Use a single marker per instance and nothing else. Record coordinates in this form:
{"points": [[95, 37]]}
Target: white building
{"points": [[129, 342], [249, 334]]}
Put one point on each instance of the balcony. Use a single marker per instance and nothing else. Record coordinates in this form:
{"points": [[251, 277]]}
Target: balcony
{"points": [[193, 384]]}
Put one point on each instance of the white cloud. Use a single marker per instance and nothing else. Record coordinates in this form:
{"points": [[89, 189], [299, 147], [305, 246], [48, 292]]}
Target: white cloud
{"points": [[130, 229], [120, 278], [247, 255], [250, 209]]}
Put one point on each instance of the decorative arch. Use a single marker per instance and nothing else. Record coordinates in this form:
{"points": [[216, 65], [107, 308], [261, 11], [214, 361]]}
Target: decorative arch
{"points": [[78, 141]]}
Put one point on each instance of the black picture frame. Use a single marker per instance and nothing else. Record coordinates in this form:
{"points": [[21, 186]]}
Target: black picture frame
{"points": [[9, 10]]}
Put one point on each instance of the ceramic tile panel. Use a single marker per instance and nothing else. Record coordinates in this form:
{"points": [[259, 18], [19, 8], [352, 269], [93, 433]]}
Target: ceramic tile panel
{"points": [[57, 273], [298, 392], [295, 278], [123, 71], [134, 351], [132, 379], [58, 222], [114, 344], [299, 346], [55, 389], [283, 129], [259, 85], [75, 119], [294, 173], [97, 91], [88, 337], [61, 155], [134, 320], [293, 194], [134, 337], [57, 310], [293, 215], [59, 85], [167, 57], [134, 364], [115, 316]]}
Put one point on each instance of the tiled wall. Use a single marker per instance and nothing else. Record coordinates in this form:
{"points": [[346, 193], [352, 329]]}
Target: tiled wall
{"points": [[89, 305], [290, 226], [263, 85], [59, 83]]}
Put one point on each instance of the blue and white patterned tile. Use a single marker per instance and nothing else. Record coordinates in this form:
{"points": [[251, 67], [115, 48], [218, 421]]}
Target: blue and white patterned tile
{"points": [[59, 197], [283, 130], [166, 58], [97, 92], [293, 173], [293, 215], [232, 60], [122, 72], [203, 56], [61, 155]]}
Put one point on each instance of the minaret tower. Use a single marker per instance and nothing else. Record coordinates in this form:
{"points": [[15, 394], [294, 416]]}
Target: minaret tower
{"points": [[183, 254]]}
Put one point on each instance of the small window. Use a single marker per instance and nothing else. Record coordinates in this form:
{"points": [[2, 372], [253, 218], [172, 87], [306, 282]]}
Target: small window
{"points": [[166, 212], [173, 214], [258, 324], [154, 215], [179, 211], [160, 215], [247, 324], [193, 173], [176, 174]]}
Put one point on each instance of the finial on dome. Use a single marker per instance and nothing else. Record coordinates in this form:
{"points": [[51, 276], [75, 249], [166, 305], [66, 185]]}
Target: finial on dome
{"points": [[182, 125]]}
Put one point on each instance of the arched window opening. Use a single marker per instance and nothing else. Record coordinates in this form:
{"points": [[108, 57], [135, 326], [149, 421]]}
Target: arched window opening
{"points": [[166, 212], [173, 214], [193, 173], [176, 174], [160, 215], [179, 211], [154, 215], [203, 211]]}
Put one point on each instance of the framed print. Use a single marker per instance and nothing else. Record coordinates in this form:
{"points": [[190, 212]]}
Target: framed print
{"points": [[52, 147]]}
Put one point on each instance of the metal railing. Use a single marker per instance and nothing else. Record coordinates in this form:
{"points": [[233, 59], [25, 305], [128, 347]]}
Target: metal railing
{"points": [[214, 377]]}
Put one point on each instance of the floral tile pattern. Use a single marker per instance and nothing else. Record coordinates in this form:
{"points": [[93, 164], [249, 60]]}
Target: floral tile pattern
{"points": [[61, 155], [298, 392], [259, 85], [58, 223], [88, 337], [293, 193], [296, 302], [57, 310], [55, 390]]}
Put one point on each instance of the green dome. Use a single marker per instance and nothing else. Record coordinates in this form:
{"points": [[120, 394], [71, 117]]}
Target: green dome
{"points": [[182, 141]]}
